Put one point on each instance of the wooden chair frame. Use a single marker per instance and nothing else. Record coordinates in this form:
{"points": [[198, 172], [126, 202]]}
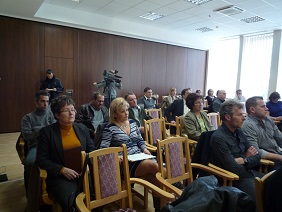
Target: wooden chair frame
{"points": [[218, 121], [124, 191], [148, 132]]}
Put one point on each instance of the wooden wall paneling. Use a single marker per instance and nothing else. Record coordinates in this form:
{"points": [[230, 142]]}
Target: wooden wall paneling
{"points": [[58, 41], [155, 67], [95, 56], [128, 61], [19, 62], [197, 69], [177, 71]]}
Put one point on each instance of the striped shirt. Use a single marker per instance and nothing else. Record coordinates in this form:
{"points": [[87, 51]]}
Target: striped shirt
{"points": [[114, 136]]}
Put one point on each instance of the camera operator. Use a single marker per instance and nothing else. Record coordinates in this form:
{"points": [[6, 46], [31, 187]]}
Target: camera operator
{"points": [[110, 83]]}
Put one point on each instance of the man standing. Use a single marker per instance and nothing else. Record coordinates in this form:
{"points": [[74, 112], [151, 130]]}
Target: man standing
{"points": [[177, 108], [136, 112], [146, 101], [52, 85], [30, 127], [215, 106], [262, 132], [231, 150], [92, 114]]}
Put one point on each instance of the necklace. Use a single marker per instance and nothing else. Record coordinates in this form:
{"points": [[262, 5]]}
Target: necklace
{"points": [[123, 127]]}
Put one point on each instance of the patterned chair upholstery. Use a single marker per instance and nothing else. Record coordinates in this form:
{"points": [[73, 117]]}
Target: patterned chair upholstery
{"points": [[155, 129], [111, 181]]}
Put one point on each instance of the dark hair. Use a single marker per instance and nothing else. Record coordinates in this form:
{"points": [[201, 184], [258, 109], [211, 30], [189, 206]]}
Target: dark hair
{"points": [[49, 71], [210, 91], [274, 95], [96, 94], [40, 93], [227, 107], [59, 102], [191, 98], [128, 94], [184, 91], [252, 102], [146, 89], [239, 90]]}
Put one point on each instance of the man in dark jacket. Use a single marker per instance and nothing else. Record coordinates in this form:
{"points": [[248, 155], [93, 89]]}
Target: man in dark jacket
{"points": [[52, 85], [177, 108], [136, 112], [93, 113], [231, 150]]}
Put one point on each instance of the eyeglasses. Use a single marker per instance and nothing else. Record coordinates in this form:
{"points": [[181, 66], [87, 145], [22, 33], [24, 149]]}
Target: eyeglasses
{"points": [[68, 111]]}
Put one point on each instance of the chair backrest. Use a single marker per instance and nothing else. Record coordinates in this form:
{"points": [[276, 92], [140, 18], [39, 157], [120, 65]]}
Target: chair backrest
{"points": [[21, 147], [214, 119], [176, 159], [179, 125], [154, 113], [154, 129], [108, 184], [259, 185]]}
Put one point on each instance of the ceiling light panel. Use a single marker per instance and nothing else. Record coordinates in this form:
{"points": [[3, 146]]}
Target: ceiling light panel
{"points": [[229, 10], [204, 29], [252, 19], [198, 2], [151, 16]]}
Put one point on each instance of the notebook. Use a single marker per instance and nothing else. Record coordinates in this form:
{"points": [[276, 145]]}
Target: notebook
{"points": [[72, 159]]}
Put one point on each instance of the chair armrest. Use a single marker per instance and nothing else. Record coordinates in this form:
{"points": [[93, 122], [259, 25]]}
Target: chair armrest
{"points": [[80, 205], [235, 176], [151, 147], [168, 186], [155, 189], [266, 162], [190, 141], [44, 194]]}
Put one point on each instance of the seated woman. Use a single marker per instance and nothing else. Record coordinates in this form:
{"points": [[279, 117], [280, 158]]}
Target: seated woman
{"points": [[55, 140], [196, 121], [275, 106], [169, 99], [210, 97], [122, 130]]}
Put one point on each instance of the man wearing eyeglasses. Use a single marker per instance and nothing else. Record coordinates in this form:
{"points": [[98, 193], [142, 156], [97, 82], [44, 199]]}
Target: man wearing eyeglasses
{"points": [[92, 114], [30, 126]]}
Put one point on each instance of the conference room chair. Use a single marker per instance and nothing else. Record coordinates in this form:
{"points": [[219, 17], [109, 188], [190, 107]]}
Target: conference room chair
{"points": [[109, 186], [214, 119]]}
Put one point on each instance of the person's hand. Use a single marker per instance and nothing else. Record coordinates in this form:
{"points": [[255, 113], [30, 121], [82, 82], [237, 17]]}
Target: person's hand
{"points": [[94, 83], [120, 159], [54, 89], [70, 174], [251, 151], [141, 129], [240, 160], [173, 122], [146, 151], [47, 89]]}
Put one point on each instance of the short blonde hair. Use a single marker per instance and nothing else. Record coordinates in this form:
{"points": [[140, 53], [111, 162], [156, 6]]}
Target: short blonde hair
{"points": [[172, 89], [116, 104]]}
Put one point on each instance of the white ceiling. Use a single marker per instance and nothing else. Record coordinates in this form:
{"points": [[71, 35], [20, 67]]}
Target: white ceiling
{"points": [[177, 27]]}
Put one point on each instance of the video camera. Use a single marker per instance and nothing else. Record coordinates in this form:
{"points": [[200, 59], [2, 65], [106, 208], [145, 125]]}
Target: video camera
{"points": [[112, 76]]}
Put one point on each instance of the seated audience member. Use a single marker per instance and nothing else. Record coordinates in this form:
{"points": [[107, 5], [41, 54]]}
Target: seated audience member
{"points": [[231, 150], [275, 106], [92, 114], [239, 97], [146, 101], [196, 121], [177, 108], [262, 132], [52, 85], [122, 130], [210, 97], [199, 92], [135, 112], [30, 127], [169, 99], [55, 141], [215, 106]]}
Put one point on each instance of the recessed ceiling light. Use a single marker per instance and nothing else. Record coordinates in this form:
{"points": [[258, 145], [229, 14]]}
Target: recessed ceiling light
{"points": [[76, 0], [229, 10], [198, 2], [252, 19], [204, 29], [151, 16]]}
